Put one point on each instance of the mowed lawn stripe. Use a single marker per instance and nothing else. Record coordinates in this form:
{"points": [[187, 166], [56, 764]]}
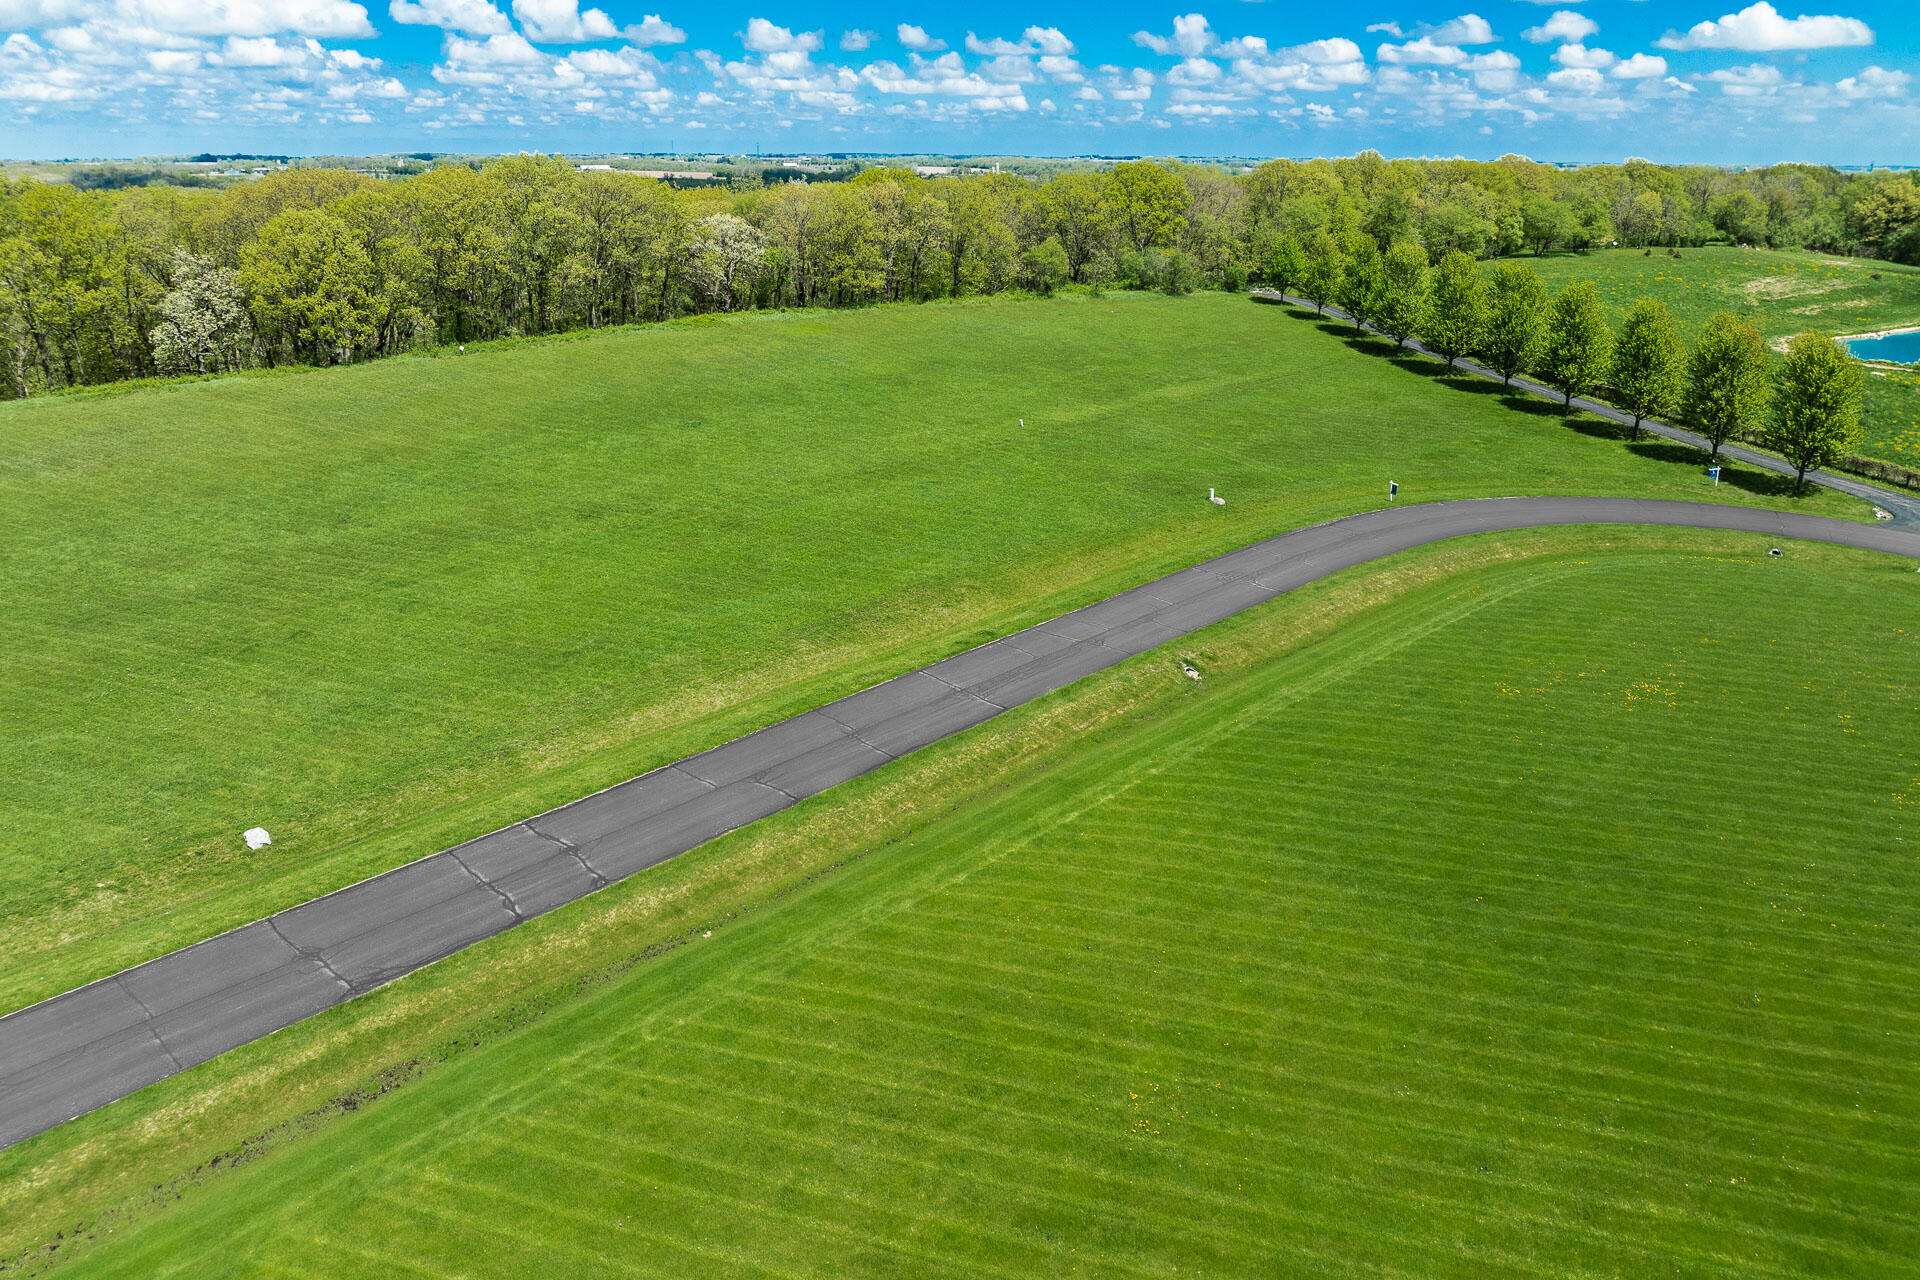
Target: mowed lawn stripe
{"points": [[1482, 1060], [1426, 1179], [1141, 1199], [1810, 1066], [1624, 935]]}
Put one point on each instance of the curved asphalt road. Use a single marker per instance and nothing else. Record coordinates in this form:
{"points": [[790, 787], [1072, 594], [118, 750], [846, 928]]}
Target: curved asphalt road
{"points": [[100, 1042], [1903, 507]]}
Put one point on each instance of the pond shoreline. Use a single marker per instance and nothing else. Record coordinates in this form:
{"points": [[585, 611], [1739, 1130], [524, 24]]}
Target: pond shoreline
{"points": [[1876, 361]]}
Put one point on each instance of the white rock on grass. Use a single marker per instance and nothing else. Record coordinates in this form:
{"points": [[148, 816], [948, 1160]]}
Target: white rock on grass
{"points": [[256, 837]]}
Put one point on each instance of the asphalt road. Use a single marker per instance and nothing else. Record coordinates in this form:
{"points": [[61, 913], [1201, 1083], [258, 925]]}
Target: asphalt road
{"points": [[1904, 507], [98, 1043]]}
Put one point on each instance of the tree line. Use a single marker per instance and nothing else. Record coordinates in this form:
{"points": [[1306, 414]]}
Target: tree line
{"points": [[325, 266], [1726, 387]]}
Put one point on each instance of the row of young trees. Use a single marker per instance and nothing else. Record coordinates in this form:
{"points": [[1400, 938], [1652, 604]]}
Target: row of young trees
{"points": [[1726, 387], [325, 266]]}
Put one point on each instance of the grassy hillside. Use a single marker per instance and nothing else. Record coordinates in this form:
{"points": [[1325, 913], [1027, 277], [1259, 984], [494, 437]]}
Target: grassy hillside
{"points": [[1782, 294], [1551, 920], [381, 609]]}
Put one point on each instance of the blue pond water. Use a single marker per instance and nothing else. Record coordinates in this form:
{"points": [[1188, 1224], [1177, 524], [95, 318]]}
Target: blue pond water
{"points": [[1901, 348]]}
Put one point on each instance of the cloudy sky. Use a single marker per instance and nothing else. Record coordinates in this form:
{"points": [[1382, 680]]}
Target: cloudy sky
{"points": [[1671, 80]]}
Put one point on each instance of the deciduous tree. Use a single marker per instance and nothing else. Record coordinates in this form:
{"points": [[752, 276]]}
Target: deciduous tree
{"points": [[1286, 263], [1403, 290], [1362, 281], [1149, 204], [1320, 281], [1815, 421], [1647, 362], [1576, 342], [1516, 307], [203, 319], [1456, 310], [1726, 390]]}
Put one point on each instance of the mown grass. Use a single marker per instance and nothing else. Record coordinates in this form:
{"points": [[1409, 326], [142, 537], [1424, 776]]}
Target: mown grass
{"points": [[1549, 920], [379, 610], [1781, 293]]}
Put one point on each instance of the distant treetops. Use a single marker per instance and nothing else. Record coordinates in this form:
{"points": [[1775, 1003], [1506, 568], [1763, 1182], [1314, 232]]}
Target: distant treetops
{"points": [[1804, 406], [326, 266]]}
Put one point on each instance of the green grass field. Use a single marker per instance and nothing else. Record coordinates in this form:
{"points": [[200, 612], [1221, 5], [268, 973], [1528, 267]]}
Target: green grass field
{"points": [[1782, 294], [1548, 919], [382, 609]]}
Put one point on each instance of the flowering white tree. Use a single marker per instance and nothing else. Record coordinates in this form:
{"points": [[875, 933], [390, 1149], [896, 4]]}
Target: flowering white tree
{"points": [[727, 251], [203, 318]]}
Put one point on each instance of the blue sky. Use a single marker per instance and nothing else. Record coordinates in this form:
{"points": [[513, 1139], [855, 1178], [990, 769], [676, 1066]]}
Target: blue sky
{"points": [[1673, 80]]}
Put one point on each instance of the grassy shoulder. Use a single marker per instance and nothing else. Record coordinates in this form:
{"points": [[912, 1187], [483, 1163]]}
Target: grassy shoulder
{"points": [[1781, 293], [1490, 1015], [382, 609]]}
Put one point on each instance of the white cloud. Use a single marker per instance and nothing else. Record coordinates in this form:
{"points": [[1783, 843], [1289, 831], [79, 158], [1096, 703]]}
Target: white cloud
{"points": [[1468, 28], [246, 17], [855, 41], [1579, 79], [1578, 55], [1759, 28], [917, 39], [652, 30], [995, 48], [472, 17], [1195, 71], [1749, 81], [488, 63], [1424, 51], [1641, 66], [35, 15], [1062, 68], [1191, 38], [562, 22], [1048, 40], [1565, 25], [173, 61], [1496, 71], [1318, 66], [260, 51], [763, 37], [1874, 82], [626, 66]]}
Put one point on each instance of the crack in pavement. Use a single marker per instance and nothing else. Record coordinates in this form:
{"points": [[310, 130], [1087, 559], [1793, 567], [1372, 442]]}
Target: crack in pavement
{"points": [[506, 899], [309, 953], [599, 881], [856, 735], [967, 692]]}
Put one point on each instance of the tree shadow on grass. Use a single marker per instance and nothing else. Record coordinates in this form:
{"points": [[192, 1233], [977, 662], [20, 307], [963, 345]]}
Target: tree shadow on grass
{"points": [[1521, 402], [1599, 428], [1754, 480], [1455, 380], [1661, 449]]}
